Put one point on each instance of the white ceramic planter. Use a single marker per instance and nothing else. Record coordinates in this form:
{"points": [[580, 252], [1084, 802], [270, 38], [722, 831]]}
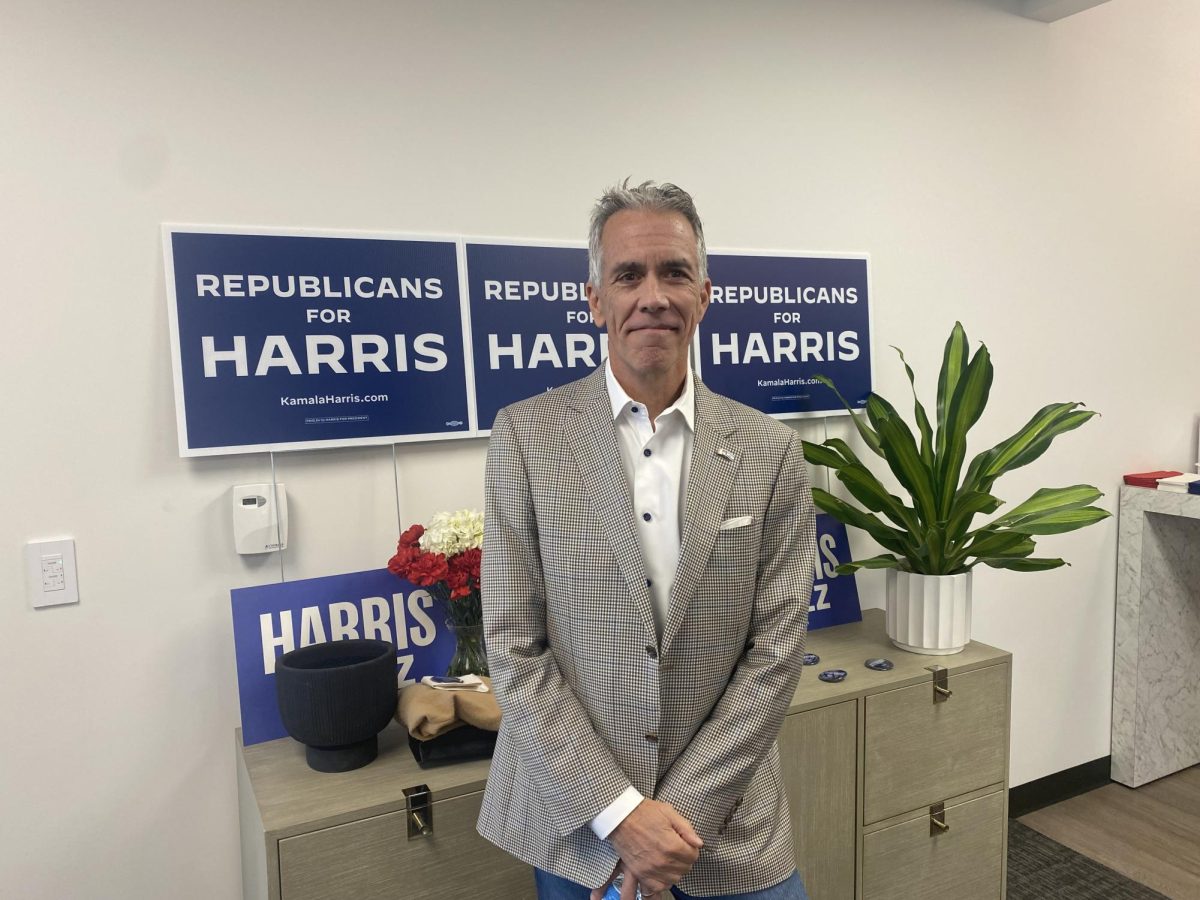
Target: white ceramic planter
{"points": [[929, 613]]}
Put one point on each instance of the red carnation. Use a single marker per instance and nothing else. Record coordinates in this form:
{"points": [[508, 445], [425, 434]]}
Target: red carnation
{"points": [[412, 537], [468, 562], [405, 557], [428, 569]]}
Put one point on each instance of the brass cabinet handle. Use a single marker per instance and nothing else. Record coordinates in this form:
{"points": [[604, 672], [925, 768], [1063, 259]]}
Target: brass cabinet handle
{"points": [[419, 805], [937, 819], [419, 824], [941, 681]]}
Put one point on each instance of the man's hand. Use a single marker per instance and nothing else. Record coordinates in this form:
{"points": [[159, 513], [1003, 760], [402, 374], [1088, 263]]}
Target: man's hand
{"points": [[657, 846], [629, 886]]}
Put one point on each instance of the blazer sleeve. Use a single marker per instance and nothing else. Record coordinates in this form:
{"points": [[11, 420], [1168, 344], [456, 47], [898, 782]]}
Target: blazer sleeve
{"points": [[568, 765], [707, 780]]}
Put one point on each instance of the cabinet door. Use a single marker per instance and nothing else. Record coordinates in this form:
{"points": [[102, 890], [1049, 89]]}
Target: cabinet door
{"points": [[817, 750], [919, 752], [373, 859], [906, 862]]}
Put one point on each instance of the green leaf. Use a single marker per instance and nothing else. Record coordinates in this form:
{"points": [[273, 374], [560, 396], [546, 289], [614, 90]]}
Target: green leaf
{"points": [[887, 537], [1026, 445], [883, 561], [868, 491], [919, 414], [840, 446], [967, 505], [970, 398], [1049, 500], [954, 361], [1029, 564], [870, 438], [1061, 521], [820, 455], [989, 543], [900, 450]]}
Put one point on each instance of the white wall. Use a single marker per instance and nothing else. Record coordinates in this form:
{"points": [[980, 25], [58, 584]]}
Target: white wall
{"points": [[1037, 182]]}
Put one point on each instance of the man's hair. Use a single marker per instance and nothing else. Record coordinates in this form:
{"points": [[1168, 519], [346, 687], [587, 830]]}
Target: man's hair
{"points": [[664, 197]]}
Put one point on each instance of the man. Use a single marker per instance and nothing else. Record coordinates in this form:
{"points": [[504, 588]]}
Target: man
{"points": [[647, 564]]}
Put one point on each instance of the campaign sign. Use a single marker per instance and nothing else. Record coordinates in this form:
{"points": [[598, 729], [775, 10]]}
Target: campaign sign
{"points": [[289, 340], [530, 325], [273, 619], [776, 321], [834, 597]]}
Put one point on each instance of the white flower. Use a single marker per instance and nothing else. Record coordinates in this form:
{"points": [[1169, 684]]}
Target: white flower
{"points": [[452, 533]]}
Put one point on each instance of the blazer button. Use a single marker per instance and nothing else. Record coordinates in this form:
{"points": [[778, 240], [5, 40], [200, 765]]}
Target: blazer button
{"points": [[651, 651], [652, 737]]}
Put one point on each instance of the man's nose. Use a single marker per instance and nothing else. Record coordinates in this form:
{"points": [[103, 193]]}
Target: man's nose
{"points": [[653, 295]]}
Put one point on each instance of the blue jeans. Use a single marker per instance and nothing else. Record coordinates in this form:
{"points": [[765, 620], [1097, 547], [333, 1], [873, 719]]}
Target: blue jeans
{"points": [[551, 887]]}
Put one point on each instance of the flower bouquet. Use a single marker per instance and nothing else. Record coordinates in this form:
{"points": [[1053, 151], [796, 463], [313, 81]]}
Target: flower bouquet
{"points": [[445, 558]]}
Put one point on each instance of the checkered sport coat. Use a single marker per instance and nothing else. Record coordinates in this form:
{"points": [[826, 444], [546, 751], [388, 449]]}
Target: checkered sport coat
{"points": [[592, 701]]}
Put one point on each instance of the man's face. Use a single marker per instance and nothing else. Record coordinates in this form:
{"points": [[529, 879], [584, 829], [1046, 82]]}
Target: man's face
{"points": [[650, 296]]}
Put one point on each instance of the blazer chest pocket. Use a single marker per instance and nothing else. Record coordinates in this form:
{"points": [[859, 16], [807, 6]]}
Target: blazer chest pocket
{"points": [[737, 544]]}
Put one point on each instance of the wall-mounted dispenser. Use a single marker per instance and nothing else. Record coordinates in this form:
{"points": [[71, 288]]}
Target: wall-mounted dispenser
{"points": [[257, 526]]}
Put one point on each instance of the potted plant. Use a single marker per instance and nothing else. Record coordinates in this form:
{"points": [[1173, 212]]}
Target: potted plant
{"points": [[931, 542]]}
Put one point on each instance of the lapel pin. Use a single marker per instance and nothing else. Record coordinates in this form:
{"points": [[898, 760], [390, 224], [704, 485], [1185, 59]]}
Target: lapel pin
{"points": [[727, 454]]}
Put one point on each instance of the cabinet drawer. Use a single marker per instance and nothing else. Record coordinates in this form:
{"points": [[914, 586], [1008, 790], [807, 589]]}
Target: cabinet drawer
{"points": [[373, 859], [905, 862], [919, 752]]}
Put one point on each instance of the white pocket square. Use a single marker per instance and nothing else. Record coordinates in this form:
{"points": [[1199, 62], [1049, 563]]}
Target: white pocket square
{"points": [[737, 522]]}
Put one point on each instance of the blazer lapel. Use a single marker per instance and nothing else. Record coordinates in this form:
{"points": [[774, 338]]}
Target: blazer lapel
{"points": [[594, 442], [715, 460]]}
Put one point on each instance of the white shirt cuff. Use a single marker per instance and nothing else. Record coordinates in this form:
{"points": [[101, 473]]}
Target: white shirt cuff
{"points": [[605, 823]]}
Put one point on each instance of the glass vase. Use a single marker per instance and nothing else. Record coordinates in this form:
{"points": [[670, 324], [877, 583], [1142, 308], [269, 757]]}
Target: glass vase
{"points": [[470, 654]]}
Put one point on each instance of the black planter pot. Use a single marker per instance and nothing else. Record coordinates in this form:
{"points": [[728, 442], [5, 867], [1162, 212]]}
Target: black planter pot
{"points": [[335, 698]]}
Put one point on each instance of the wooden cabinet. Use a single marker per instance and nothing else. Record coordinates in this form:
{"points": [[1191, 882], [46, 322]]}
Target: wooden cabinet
{"points": [[909, 752], [863, 761]]}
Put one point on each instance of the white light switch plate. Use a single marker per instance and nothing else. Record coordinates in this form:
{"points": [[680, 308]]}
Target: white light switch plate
{"points": [[50, 576]]}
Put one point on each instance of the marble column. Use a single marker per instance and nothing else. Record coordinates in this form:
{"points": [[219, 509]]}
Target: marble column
{"points": [[1156, 675]]}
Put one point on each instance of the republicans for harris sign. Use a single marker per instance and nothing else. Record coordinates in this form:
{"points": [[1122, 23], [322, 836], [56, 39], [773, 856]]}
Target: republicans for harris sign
{"points": [[775, 321], [287, 339], [293, 340]]}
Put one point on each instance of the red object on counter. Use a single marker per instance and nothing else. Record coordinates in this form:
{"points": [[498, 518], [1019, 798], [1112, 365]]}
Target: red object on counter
{"points": [[1148, 479]]}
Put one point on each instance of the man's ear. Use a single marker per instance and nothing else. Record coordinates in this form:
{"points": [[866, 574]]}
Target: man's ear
{"points": [[705, 298], [593, 298]]}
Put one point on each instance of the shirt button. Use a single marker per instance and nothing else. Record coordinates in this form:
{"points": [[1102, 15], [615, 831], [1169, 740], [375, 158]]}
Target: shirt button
{"points": [[646, 516], [645, 453], [652, 737], [633, 409], [651, 651], [649, 583]]}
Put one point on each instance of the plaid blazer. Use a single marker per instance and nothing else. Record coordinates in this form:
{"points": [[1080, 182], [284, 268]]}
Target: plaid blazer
{"points": [[592, 701]]}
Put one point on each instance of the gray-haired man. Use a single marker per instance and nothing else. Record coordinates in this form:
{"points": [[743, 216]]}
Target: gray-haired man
{"points": [[648, 559]]}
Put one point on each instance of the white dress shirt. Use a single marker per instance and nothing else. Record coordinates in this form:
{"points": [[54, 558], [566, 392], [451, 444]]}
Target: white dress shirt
{"points": [[657, 457]]}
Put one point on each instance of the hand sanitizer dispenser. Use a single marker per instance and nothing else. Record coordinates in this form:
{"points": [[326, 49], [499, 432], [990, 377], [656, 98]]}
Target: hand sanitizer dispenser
{"points": [[257, 526]]}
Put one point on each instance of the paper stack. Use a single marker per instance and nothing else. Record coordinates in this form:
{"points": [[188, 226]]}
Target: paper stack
{"points": [[1177, 484]]}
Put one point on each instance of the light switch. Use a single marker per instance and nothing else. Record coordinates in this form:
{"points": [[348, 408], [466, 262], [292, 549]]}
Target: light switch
{"points": [[53, 577], [50, 573]]}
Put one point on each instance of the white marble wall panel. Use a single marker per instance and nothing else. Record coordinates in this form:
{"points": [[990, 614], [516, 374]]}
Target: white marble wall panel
{"points": [[1156, 679]]}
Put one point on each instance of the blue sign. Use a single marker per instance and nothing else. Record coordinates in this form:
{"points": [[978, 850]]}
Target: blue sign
{"points": [[834, 597], [776, 321], [273, 619], [289, 341], [530, 324]]}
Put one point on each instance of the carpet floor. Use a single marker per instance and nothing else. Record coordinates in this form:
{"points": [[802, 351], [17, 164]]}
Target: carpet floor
{"points": [[1041, 869]]}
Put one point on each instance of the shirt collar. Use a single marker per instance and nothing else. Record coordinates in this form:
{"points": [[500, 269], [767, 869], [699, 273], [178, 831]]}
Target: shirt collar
{"points": [[685, 403]]}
